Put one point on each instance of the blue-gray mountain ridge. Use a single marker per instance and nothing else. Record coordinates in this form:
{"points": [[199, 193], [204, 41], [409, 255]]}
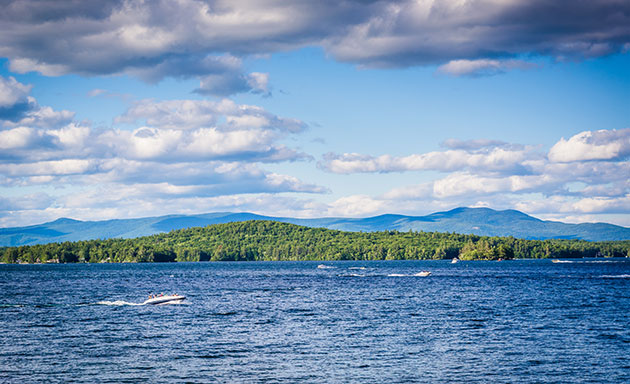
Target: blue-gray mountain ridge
{"points": [[479, 221]]}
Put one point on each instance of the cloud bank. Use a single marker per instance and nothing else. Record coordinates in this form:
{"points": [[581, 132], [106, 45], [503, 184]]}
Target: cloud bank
{"points": [[588, 174], [207, 39], [182, 149]]}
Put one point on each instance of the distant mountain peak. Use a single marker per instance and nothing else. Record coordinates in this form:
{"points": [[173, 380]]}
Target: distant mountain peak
{"points": [[65, 220]]}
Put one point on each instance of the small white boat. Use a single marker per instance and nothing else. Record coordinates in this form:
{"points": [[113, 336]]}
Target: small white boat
{"points": [[164, 299], [454, 260], [423, 274]]}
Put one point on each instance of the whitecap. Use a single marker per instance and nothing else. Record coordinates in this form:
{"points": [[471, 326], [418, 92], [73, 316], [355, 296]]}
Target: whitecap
{"points": [[616, 276]]}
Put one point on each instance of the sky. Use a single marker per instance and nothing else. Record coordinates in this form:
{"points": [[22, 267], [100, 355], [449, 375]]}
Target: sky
{"points": [[130, 108]]}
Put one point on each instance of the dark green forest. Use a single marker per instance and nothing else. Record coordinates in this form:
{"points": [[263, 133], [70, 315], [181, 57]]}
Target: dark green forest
{"points": [[268, 240]]}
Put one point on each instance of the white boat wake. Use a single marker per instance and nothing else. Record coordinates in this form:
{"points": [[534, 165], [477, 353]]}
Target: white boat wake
{"points": [[419, 274], [153, 300], [117, 303]]}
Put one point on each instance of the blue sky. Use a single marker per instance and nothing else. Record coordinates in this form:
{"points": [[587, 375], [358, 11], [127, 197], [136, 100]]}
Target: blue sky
{"points": [[312, 109]]}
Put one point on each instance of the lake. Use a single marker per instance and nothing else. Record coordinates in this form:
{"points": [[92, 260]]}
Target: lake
{"points": [[526, 321]]}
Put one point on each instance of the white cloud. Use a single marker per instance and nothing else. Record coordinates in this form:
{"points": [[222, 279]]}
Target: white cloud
{"points": [[192, 114], [497, 159], [176, 130], [355, 206], [592, 145], [20, 137], [578, 206], [49, 168], [482, 67], [202, 130], [502, 176], [603, 204], [12, 92], [188, 150], [465, 184], [259, 82]]}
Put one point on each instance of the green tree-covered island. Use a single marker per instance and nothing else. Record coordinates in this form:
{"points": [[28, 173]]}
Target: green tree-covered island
{"points": [[268, 241]]}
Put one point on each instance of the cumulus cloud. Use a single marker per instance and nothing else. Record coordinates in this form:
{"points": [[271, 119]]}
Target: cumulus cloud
{"points": [[14, 99], [181, 150], [478, 32], [592, 145], [587, 174], [18, 108], [198, 38], [12, 92], [191, 114], [202, 130], [494, 159], [172, 131]]}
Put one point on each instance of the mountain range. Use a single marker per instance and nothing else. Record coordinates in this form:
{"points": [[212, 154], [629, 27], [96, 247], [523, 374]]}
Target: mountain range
{"points": [[479, 221]]}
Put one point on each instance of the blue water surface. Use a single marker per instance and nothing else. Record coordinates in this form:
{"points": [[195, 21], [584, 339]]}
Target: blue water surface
{"points": [[528, 321]]}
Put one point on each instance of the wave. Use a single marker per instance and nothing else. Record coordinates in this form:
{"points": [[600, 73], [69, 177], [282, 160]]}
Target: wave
{"points": [[362, 268], [324, 266], [616, 276]]}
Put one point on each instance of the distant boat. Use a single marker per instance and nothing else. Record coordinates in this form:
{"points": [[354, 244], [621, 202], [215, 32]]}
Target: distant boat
{"points": [[324, 266], [164, 299], [455, 260], [423, 274]]}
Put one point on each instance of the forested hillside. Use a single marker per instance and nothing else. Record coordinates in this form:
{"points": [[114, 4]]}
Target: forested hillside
{"points": [[268, 240]]}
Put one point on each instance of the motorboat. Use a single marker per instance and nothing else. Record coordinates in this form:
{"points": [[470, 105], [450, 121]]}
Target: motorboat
{"points": [[423, 274], [164, 299], [454, 260]]}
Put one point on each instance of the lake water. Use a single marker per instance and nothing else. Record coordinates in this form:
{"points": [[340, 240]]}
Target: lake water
{"points": [[529, 321]]}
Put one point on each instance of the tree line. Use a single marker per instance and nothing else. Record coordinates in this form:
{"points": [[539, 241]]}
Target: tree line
{"points": [[268, 240]]}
